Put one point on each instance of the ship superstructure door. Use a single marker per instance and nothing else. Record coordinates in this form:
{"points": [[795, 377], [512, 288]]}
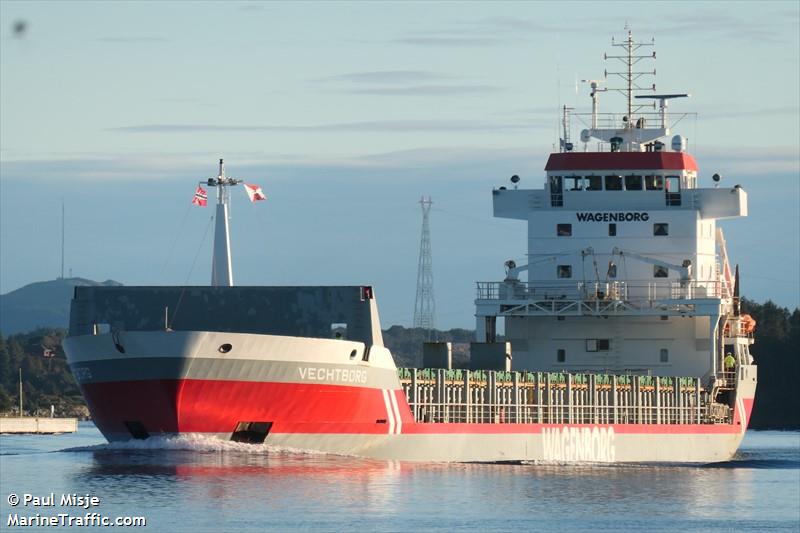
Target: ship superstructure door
{"points": [[556, 191], [673, 190]]}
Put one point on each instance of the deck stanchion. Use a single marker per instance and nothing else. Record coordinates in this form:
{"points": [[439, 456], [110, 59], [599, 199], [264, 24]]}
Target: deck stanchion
{"points": [[697, 398], [657, 392], [492, 384], [538, 396], [569, 398], [414, 394], [467, 397], [548, 396], [614, 400]]}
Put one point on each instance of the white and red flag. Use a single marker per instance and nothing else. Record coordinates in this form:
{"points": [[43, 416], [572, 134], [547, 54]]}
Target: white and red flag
{"points": [[200, 197], [254, 192]]}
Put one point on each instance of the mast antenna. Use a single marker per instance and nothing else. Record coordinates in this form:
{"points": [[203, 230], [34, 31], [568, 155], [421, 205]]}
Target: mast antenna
{"points": [[631, 78], [425, 305]]}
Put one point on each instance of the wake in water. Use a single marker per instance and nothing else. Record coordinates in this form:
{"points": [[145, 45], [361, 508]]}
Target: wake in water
{"points": [[193, 442]]}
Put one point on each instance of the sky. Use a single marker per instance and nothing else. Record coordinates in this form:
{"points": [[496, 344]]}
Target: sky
{"points": [[346, 113]]}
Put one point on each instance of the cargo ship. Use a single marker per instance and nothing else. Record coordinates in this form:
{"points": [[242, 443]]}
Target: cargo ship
{"points": [[623, 339]]}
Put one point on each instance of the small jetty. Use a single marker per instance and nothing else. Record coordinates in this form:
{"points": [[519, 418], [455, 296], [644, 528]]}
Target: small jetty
{"points": [[37, 425]]}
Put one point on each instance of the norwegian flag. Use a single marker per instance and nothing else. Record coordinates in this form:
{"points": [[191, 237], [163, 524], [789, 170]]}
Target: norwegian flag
{"points": [[254, 192], [200, 197]]}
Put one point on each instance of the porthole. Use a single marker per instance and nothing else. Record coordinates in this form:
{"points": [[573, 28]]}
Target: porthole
{"points": [[225, 348], [353, 354]]}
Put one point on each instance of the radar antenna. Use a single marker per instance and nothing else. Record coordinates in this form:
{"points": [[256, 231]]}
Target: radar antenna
{"points": [[663, 100]]}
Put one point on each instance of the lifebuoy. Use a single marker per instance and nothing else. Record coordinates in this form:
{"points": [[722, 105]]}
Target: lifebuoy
{"points": [[748, 323]]}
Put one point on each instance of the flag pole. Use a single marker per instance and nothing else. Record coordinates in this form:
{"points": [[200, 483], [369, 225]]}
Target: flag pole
{"points": [[221, 264]]}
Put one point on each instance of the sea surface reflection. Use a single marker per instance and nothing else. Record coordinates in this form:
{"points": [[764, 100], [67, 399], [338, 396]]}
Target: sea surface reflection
{"points": [[197, 484]]}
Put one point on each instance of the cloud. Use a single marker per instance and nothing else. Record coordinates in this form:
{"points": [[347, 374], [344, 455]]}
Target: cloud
{"points": [[445, 162], [404, 83], [132, 40], [366, 126], [464, 41], [749, 160], [522, 25], [532, 111], [116, 167], [385, 76], [714, 24], [427, 90], [492, 31], [763, 112]]}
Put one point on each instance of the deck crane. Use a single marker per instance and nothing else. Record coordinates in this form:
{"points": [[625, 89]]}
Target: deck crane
{"points": [[684, 269]]}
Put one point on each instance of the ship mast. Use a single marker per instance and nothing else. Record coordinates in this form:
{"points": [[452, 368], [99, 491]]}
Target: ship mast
{"points": [[630, 58], [632, 134], [221, 268]]}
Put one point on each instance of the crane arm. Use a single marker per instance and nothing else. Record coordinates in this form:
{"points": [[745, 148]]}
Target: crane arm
{"points": [[685, 269]]}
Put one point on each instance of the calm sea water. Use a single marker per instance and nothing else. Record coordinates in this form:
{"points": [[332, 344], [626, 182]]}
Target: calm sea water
{"points": [[205, 485]]}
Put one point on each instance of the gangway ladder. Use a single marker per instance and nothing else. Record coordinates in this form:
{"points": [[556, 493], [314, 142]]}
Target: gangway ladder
{"points": [[727, 278]]}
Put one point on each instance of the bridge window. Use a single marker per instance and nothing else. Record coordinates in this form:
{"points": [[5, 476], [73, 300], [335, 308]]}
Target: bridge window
{"points": [[598, 345], [594, 183], [673, 186], [660, 229], [673, 183], [564, 230], [633, 182], [660, 271], [556, 191], [654, 183], [612, 230], [564, 271], [561, 355], [664, 356], [613, 183], [573, 183]]}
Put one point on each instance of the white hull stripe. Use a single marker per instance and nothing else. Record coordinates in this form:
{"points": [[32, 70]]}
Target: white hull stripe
{"points": [[389, 411], [397, 417], [742, 414]]}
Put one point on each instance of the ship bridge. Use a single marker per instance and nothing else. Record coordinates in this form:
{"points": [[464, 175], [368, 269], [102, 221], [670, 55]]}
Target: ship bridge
{"points": [[623, 253]]}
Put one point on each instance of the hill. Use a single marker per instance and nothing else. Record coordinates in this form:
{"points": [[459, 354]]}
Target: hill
{"points": [[41, 304]]}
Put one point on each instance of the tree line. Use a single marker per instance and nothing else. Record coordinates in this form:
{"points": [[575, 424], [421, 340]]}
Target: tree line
{"points": [[46, 378]]}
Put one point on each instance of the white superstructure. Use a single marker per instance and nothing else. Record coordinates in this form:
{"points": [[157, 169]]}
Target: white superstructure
{"points": [[627, 269]]}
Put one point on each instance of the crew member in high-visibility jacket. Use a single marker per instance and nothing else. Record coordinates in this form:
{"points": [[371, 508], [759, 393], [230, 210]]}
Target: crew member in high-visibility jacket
{"points": [[730, 362]]}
